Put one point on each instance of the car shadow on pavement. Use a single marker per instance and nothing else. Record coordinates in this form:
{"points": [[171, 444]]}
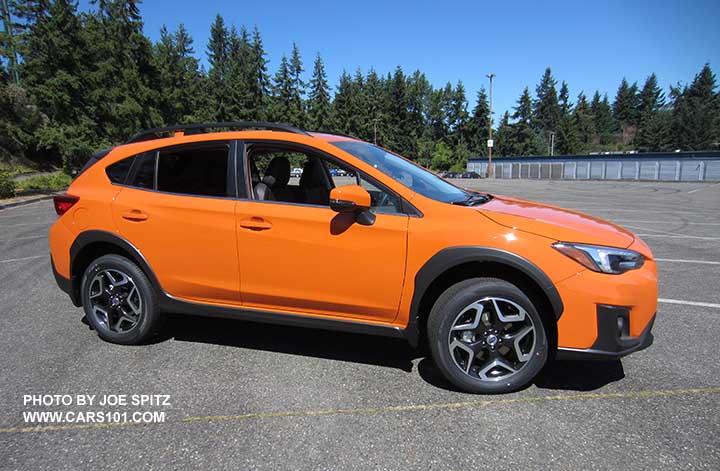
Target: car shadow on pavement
{"points": [[559, 375], [341, 346], [580, 375]]}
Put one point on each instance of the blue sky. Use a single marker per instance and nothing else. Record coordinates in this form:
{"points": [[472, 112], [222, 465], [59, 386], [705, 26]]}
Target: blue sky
{"points": [[591, 45]]}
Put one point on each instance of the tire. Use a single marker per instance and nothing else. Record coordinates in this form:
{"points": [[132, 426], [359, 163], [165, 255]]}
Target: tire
{"points": [[479, 351], [115, 285]]}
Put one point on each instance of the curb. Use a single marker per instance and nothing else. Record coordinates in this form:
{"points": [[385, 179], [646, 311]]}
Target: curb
{"points": [[24, 202]]}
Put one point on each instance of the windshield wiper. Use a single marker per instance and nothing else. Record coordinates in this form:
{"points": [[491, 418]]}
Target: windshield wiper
{"points": [[474, 199]]}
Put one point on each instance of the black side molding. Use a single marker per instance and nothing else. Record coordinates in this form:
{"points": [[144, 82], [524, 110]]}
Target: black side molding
{"points": [[455, 256], [172, 305]]}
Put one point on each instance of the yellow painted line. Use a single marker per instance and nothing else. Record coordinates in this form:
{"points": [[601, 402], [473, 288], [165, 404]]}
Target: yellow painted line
{"points": [[381, 410]]}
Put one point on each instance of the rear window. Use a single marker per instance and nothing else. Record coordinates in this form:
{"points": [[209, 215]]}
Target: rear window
{"points": [[117, 172]]}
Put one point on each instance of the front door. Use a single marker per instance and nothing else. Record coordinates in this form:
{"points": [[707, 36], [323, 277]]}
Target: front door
{"points": [[299, 256]]}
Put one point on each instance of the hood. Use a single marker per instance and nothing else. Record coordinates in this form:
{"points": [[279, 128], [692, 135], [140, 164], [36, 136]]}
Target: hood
{"points": [[555, 223]]}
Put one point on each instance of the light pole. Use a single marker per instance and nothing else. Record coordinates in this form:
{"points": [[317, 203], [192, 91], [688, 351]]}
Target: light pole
{"points": [[489, 172]]}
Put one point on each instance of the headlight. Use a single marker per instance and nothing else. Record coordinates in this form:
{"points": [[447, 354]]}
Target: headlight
{"points": [[601, 259]]}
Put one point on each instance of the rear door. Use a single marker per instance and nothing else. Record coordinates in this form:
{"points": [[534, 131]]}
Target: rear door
{"points": [[178, 208]]}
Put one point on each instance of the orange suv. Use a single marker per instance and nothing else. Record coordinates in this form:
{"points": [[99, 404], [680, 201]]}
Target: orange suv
{"points": [[193, 220]]}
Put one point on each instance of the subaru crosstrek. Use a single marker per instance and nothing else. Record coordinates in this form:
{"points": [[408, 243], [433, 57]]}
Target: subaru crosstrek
{"points": [[205, 220]]}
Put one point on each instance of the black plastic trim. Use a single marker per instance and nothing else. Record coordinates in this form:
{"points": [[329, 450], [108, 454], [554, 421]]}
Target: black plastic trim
{"points": [[88, 237], [610, 343], [172, 305], [62, 282], [455, 256]]}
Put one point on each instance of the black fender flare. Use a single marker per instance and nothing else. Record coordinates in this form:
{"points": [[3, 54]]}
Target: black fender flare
{"points": [[452, 257], [92, 236]]}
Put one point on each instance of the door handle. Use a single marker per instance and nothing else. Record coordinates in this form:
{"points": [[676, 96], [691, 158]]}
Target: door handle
{"points": [[135, 215], [255, 224]]}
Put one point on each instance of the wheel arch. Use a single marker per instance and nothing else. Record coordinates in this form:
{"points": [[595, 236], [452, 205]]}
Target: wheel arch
{"points": [[454, 264], [92, 244]]}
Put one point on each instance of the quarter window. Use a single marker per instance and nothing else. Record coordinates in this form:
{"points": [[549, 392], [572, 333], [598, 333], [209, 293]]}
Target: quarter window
{"points": [[117, 172]]}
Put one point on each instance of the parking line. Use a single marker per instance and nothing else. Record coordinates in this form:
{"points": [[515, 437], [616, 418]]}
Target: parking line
{"points": [[668, 222], [24, 238], [702, 188], [689, 303], [46, 223], [669, 236], [677, 260], [381, 410], [24, 258]]}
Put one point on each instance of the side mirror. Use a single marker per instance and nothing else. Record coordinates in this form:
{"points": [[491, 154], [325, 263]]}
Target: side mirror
{"points": [[353, 199]]}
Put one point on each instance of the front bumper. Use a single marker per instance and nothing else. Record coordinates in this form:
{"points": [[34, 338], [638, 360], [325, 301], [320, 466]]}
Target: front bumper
{"points": [[613, 337]]}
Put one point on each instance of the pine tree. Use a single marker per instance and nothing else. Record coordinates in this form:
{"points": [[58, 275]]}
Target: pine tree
{"points": [[566, 136], [503, 137], [603, 120], [525, 140], [654, 126], [318, 106], [546, 111], [342, 104], [259, 78], [218, 51], [457, 116], [297, 109], [398, 138], [180, 81], [479, 123], [55, 72], [239, 76], [417, 93], [626, 111], [696, 113], [281, 106], [584, 125], [376, 102]]}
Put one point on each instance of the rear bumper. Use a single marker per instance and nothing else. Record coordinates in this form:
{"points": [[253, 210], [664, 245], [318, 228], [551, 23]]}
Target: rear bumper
{"points": [[64, 284], [613, 339]]}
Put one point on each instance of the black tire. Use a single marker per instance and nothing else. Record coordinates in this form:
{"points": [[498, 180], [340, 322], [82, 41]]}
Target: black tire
{"points": [[147, 322], [446, 313]]}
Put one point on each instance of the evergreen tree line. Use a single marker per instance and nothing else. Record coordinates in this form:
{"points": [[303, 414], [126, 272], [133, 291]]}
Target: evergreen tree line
{"points": [[89, 80]]}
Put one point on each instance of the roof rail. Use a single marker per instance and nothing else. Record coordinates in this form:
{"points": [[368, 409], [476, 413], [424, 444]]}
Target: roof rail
{"points": [[198, 127]]}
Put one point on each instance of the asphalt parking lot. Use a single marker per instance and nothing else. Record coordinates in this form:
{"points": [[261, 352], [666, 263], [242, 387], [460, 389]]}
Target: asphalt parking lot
{"points": [[261, 396]]}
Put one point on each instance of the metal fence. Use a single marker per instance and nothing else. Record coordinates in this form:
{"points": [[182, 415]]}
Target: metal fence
{"points": [[679, 166]]}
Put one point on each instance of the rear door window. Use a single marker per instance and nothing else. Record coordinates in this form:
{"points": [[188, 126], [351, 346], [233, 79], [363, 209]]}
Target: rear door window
{"points": [[144, 174], [194, 170]]}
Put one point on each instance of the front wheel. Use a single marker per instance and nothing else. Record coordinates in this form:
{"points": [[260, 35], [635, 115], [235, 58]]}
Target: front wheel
{"points": [[486, 336]]}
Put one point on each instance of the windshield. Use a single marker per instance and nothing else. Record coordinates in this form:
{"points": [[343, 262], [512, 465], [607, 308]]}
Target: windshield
{"points": [[404, 172]]}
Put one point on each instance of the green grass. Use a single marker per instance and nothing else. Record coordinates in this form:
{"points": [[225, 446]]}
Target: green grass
{"points": [[13, 169], [53, 182]]}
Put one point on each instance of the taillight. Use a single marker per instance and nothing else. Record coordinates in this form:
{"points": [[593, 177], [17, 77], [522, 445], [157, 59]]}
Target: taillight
{"points": [[64, 202]]}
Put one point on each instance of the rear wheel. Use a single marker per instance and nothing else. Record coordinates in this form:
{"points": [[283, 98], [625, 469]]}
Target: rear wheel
{"points": [[119, 301], [486, 336]]}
